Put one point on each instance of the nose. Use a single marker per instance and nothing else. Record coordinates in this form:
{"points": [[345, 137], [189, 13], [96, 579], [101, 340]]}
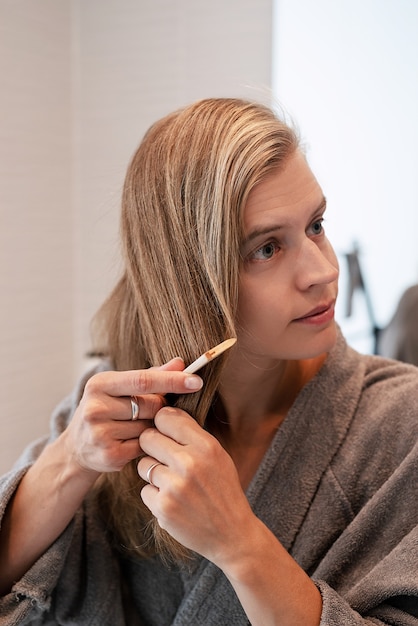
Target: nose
{"points": [[315, 264]]}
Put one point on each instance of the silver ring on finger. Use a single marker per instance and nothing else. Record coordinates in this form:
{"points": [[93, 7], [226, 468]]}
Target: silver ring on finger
{"points": [[135, 408], [149, 472]]}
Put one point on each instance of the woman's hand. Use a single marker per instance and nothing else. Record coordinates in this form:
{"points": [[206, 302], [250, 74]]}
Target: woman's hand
{"points": [[195, 493], [102, 436], [196, 496]]}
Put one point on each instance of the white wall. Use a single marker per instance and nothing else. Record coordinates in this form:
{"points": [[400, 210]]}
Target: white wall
{"points": [[81, 82], [36, 221], [347, 71]]}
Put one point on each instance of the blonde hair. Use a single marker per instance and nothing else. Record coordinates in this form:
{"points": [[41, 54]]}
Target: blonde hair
{"points": [[181, 226]]}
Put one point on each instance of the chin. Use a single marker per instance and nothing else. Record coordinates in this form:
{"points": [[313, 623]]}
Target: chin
{"points": [[323, 342], [296, 346], [311, 345]]}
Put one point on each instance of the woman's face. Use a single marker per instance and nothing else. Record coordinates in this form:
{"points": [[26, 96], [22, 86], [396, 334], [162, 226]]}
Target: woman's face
{"points": [[289, 271]]}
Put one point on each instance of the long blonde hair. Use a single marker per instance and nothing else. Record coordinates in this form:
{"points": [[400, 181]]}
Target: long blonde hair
{"points": [[181, 226]]}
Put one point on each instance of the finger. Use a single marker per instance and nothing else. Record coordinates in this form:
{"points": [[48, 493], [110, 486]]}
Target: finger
{"points": [[158, 446], [178, 425], [175, 365], [147, 405], [105, 407], [130, 449], [139, 382], [151, 470], [126, 430], [116, 457], [176, 432]]}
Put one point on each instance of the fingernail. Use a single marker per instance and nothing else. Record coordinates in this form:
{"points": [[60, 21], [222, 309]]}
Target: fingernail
{"points": [[193, 382]]}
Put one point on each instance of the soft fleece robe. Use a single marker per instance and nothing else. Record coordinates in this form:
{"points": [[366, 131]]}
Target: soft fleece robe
{"points": [[338, 487]]}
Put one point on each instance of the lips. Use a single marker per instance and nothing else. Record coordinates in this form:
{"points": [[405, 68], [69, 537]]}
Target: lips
{"points": [[321, 313], [316, 311]]}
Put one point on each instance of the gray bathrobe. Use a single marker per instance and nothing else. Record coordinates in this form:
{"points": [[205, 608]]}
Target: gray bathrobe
{"points": [[338, 487]]}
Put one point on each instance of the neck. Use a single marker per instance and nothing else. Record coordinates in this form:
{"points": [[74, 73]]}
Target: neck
{"points": [[252, 404], [250, 396]]}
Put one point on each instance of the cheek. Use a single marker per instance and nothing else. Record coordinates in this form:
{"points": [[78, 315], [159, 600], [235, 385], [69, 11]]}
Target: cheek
{"points": [[245, 311], [247, 305], [259, 308]]}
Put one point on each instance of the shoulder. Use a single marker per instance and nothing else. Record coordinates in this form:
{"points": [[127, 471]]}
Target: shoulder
{"points": [[375, 400], [381, 386], [382, 438], [390, 393], [387, 407]]}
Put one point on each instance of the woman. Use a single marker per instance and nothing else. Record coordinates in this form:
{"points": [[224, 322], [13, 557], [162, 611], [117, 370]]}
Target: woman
{"points": [[294, 503]]}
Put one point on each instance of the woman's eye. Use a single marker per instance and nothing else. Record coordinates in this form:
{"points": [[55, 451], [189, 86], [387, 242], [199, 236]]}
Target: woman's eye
{"points": [[317, 227], [266, 252]]}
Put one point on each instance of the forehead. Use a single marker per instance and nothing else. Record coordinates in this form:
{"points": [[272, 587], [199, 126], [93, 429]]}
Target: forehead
{"points": [[283, 194]]}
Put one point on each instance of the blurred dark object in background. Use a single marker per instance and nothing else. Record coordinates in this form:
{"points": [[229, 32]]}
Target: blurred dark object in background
{"points": [[399, 339]]}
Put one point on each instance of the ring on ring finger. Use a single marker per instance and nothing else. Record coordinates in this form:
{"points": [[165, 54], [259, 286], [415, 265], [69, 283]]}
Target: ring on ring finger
{"points": [[135, 408], [149, 472]]}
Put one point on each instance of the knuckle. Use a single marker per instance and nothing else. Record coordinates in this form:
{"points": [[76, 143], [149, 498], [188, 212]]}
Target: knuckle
{"points": [[210, 447], [158, 402], [143, 382], [158, 381], [189, 467], [94, 384], [150, 405], [110, 454], [146, 436], [167, 509], [111, 457], [97, 439], [172, 500], [164, 413], [93, 410]]}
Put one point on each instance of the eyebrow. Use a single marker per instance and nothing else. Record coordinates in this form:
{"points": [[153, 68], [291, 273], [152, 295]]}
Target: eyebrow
{"points": [[259, 232]]}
